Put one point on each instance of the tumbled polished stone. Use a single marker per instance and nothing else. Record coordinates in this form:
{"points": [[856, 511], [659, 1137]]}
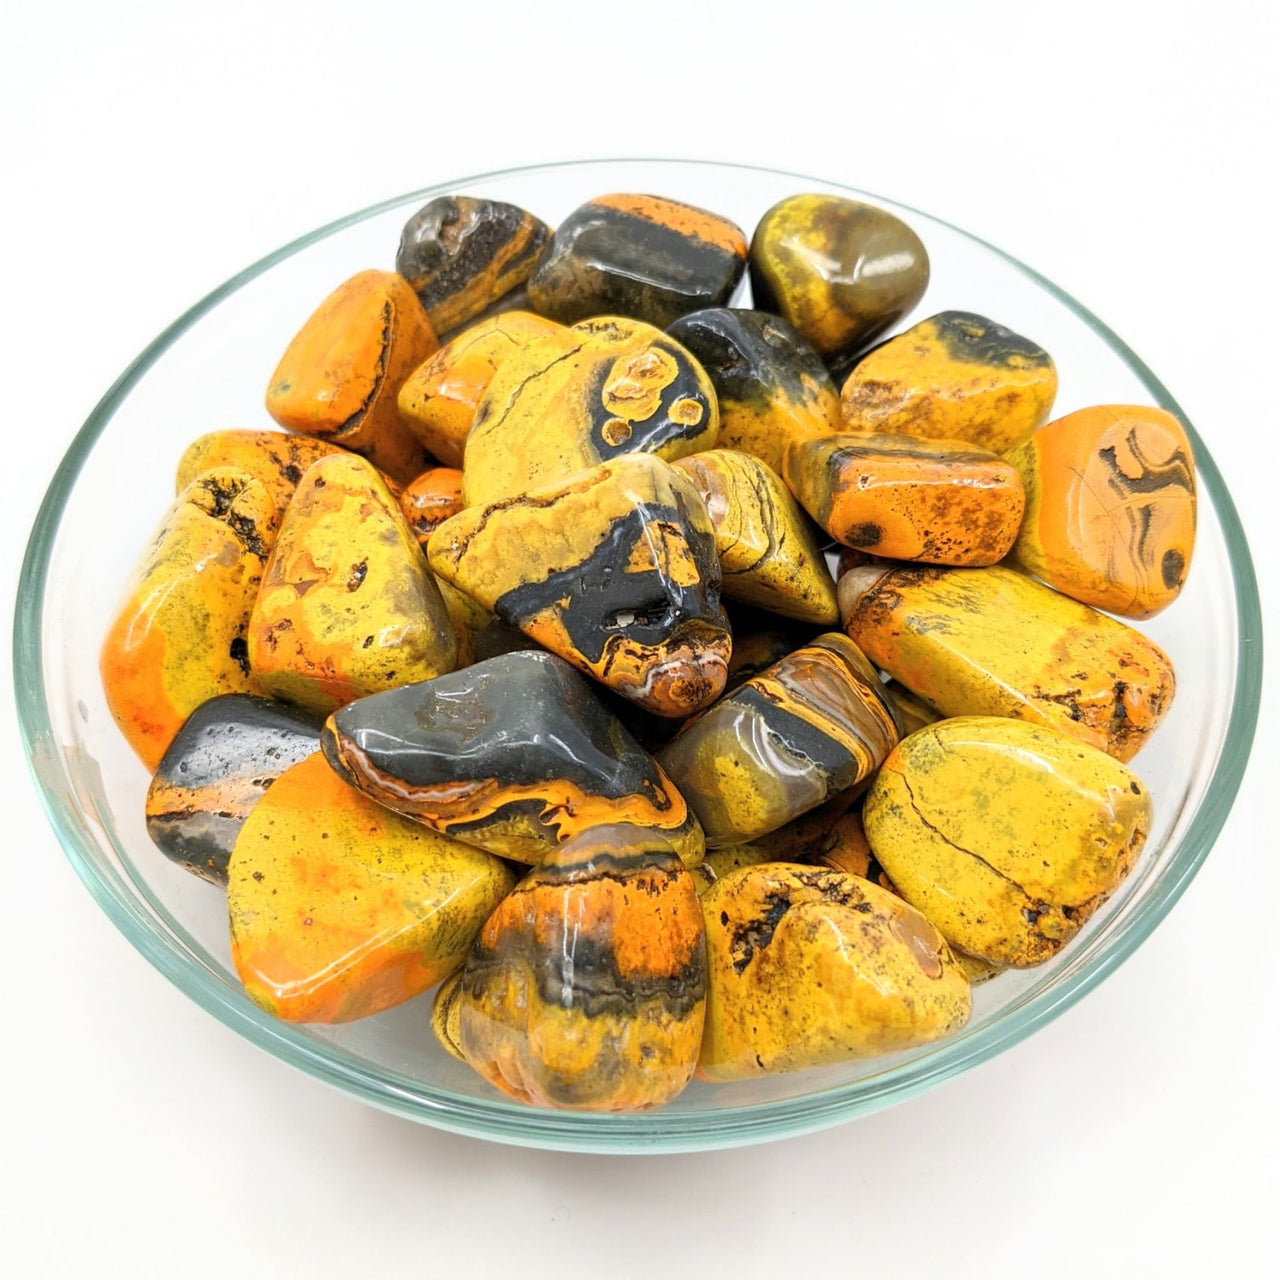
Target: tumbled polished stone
{"points": [[340, 908], [637, 255], [341, 374], [438, 402], [771, 386], [840, 271], [226, 755], [812, 725], [586, 988], [515, 755], [582, 396], [993, 642], [461, 254], [179, 637], [955, 376], [768, 554], [913, 713], [1111, 507], [758, 642], [615, 571], [1007, 835], [279, 459], [719, 862], [810, 966], [347, 605], [846, 848], [430, 499], [908, 498]]}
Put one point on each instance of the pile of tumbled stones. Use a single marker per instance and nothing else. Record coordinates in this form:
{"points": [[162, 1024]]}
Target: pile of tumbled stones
{"points": [[516, 665]]}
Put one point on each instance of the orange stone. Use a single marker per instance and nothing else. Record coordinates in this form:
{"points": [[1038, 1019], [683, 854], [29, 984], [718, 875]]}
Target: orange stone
{"points": [[438, 402], [1111, 507], [430, 500], [935, 501], [341, 374]]}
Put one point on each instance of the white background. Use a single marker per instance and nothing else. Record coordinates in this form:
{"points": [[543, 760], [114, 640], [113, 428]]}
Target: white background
{"points": [[1127, 150]]}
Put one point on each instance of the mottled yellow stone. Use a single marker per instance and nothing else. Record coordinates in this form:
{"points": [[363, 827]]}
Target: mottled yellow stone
{"points": [[810, 966], [996, 642], [347, 605], [179, 636], [1007, 835]]}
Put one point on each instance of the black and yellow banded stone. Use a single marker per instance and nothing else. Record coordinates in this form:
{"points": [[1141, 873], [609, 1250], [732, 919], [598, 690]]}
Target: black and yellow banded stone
{"points": [[581, 396], [839, 270], [615, 571], [814, 724], [229, 751], [638, 255], [772, 387], [462, 254], [586, 988], [514, 755]]}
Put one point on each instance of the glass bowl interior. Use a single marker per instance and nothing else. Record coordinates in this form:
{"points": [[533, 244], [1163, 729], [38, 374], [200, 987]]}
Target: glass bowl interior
{"points": [[209, 371]]}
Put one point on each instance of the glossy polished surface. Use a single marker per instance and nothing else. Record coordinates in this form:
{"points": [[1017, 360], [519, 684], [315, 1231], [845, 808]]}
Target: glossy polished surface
{"points": [[810, 966], [810, 726], [581, 396], [461, 254], [992, 642], [955, 376], [347, 606], [771, 386], [515, 755], [340, 908], [1008, 835], [935, 501], [638, 255], [839, 270], [340, 375], [1111, 507], [229, 751], [768, 554], [546, 563], [94, 788], [586, 988]]}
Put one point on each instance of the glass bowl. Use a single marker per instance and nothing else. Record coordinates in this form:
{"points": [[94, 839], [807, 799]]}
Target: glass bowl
{"points": [[209, 369]]}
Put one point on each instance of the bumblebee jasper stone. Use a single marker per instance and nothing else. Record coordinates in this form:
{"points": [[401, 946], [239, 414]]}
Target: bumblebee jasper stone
{"points": [[768, 554], [587, 986], [994, 642], [719, 862], [1007, 835], [812, 725], [341, 374], [810, 966], [278, 459], [913, 713], [341, 908], [846, 848], [463, 253], [840, 271], [771, 386], [940, 501], [430, 499], [514, 754], [438, 402], [445, 1015], [642, 256], [615, 571], [955, 376], [179, 637], [1111, 507], [347, 605], [583, 396], [230, 750]]}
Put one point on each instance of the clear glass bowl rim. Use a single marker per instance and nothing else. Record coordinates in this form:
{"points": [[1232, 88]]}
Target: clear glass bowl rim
{"points": [[650, 1131]]}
